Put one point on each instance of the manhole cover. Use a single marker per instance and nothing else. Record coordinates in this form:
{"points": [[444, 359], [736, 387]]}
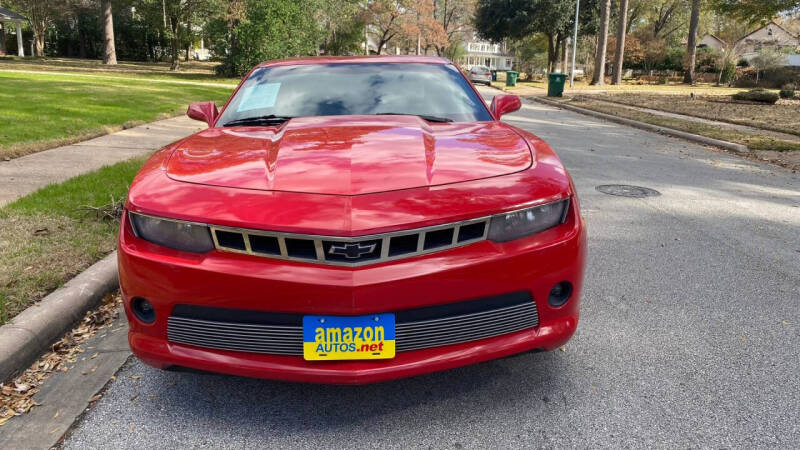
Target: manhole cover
{"points": [[624, 190]]}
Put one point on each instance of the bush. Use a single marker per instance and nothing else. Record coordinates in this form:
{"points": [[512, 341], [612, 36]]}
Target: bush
{"points": [[787, 91], [757, 95]]}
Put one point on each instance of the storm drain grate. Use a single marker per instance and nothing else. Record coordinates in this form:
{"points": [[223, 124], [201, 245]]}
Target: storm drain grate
{"points": [[623, 190]]}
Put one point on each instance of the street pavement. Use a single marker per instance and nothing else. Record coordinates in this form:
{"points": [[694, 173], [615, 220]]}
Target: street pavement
{"points": [[689, 335]]}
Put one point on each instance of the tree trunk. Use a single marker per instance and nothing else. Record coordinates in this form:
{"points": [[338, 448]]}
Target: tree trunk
{"points": [[81, 43], [39, 41], [2, 39], [691, 46], [619, 55], [109, 52], [189, 43], [175, 43], [552, 53], [564, 56], [602, 44]]}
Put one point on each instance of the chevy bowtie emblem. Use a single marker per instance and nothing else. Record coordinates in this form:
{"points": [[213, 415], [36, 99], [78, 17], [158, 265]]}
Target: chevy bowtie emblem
{"points": [[352, 250]]}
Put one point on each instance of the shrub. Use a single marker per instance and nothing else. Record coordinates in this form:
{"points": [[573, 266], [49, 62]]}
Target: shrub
{"points": [[787, 91], [757, 95]]}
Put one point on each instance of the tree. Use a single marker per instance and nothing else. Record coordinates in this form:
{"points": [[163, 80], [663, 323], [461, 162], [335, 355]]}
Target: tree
{"points": [[767, 60], [110, 53], [602, 42], [691, 45], [178, 14], [41, 14], [343, 28], [455, 17], [497, 20], [622, 29], [385, 20], [271, 29], [663, 16], [754, 11]]}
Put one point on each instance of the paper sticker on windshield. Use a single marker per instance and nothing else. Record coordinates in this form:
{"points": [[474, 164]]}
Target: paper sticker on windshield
{"points": [[262, 95]]}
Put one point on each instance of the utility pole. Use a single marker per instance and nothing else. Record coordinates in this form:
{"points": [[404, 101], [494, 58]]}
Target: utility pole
{"points": [[574, 44]]}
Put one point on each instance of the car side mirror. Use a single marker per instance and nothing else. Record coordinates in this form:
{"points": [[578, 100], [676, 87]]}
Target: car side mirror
{"points": [[203, 111], [504, 104]]}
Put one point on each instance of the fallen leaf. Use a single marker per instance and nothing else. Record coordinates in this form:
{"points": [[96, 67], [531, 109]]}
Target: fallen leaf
{"points": [[94, 356], [95, 398], [563, 348]]}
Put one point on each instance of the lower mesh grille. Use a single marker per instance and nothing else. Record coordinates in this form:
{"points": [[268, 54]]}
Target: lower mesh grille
{"points": [[282, 334]]}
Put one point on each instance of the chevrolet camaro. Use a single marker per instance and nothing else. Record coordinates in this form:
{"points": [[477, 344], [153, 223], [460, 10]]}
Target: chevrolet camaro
{"points": [[351, 220]]}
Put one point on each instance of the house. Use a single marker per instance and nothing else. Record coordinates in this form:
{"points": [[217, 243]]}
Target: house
{"points": [[713, 42], [10, 17], [771, 36], [485, 53]]}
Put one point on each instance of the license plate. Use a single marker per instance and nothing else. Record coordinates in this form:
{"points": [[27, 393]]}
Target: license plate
{"points": [[340, 337]]}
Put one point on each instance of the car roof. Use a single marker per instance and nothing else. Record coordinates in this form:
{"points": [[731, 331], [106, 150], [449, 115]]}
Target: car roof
{"points": [[356, 60]]}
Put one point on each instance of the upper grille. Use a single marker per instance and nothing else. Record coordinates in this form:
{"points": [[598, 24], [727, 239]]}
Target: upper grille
{"points": [[349, 251], [282, 334]]}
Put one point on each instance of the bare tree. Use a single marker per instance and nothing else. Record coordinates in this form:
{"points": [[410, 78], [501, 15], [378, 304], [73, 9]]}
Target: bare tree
{"points": [[622, 29], [110, 53], [691, 45], [602, 43]]}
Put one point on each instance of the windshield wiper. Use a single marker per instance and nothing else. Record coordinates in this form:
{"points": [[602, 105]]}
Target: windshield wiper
{"points": [[259, 120], [422, 116]]}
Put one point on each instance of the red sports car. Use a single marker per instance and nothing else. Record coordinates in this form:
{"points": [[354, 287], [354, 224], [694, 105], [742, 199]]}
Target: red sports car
{"points": [[351, 220]]}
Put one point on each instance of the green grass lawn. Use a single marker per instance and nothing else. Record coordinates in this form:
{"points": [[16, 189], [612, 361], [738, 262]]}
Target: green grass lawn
{"points": [[189, 71], [45, 110], [49, 236]]}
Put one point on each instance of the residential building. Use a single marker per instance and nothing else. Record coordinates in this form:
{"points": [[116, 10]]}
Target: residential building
{"points": [[484, 53], [771, 36], [712, 41]]}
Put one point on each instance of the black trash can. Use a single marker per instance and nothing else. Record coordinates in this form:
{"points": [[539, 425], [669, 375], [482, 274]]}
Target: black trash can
{"points": [[555, 84]]}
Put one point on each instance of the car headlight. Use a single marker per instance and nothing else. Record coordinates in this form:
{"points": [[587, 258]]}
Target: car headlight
{"points": [[186, 236], [518, 224]]}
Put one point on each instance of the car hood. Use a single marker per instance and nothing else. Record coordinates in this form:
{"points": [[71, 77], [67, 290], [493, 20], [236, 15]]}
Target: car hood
{"points": [[349, 155]]}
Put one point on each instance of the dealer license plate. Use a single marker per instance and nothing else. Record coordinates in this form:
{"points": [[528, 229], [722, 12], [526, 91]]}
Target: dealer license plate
{"points": [[340, 337]]}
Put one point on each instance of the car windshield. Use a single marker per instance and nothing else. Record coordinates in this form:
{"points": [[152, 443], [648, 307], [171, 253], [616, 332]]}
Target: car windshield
{"points": [[436, 92]]}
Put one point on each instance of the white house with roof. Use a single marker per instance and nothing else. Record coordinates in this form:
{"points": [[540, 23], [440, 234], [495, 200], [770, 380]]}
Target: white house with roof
{"points": [[711, 41], [484, 53], [771, 36]]}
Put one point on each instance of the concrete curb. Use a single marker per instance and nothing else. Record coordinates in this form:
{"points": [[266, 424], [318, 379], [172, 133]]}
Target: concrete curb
{"points": [[738, 148], [31, 332]]}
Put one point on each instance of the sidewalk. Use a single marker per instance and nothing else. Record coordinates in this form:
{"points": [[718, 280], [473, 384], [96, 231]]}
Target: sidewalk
{"points": [[21, 176]]}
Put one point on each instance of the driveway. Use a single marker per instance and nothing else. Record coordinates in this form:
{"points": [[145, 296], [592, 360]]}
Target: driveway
{"points": [[689, 334]]}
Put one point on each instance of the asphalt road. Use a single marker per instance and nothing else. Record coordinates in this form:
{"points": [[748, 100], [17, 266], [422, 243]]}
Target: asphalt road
{"points": [[689, 337]]}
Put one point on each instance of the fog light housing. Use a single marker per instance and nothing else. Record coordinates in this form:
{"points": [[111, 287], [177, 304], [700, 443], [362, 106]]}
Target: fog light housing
{"points": [[143, 310], [560, 293]]}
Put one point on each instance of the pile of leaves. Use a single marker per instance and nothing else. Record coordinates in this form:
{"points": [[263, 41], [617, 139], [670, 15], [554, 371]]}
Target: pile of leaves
{"points": [[16, 396]]}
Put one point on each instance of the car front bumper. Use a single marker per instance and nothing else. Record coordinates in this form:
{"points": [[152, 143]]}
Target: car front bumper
{"points": [[167, 278]]}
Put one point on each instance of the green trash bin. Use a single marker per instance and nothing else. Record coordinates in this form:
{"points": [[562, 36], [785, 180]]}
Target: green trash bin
{"points": [[511, 77], [555, 84]]}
